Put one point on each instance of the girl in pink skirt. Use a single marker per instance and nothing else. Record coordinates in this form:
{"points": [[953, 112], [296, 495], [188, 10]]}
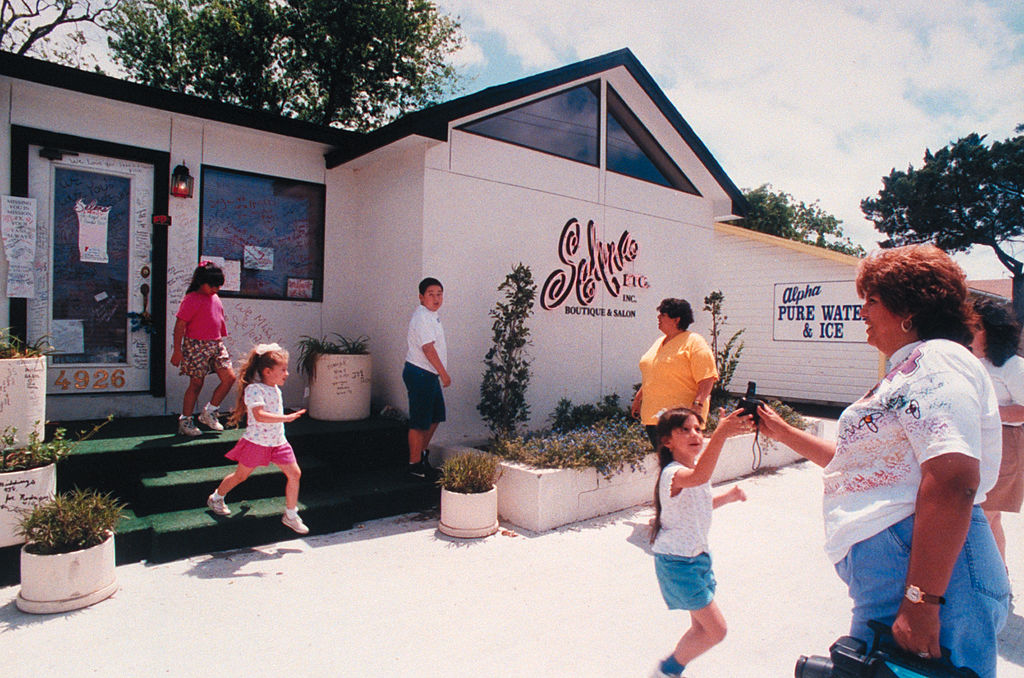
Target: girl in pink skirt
{"points": [[259, 397]]}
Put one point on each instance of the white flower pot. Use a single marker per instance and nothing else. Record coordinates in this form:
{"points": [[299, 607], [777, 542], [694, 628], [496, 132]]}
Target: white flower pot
{"points": [[341, 390], [23, 396], [20, 490], [469, 515], [67, 581]]}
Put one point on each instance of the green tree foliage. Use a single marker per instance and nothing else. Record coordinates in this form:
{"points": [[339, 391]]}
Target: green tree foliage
{"points": [[355, 64], [49, 29], [778, 213], [507, 375], [966, 193]]}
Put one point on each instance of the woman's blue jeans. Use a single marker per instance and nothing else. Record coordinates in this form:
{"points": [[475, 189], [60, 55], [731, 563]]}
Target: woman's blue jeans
{"points": [[977, 598]]}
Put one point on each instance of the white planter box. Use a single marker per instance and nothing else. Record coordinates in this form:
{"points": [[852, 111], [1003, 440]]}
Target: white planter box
{"points": [[67, 581], [20, 490], [469, 515], [543, 499], [23, 397], [341, 390]]}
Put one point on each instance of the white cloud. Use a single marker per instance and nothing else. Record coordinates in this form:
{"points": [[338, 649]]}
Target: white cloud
{"points": [[820, 99]]}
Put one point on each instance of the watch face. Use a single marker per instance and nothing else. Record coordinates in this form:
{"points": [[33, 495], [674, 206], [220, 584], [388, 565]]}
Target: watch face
{"points": [[913, 594]]}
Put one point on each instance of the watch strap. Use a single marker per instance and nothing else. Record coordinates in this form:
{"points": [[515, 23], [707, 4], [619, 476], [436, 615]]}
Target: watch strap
{"points": [[916, 595]]}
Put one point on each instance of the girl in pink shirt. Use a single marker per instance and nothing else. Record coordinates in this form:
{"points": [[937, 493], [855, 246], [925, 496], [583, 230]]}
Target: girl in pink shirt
{"points": [[199, 349]]}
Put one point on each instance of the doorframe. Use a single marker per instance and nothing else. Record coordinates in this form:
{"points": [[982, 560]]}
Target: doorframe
{"points": [[21, 139]]}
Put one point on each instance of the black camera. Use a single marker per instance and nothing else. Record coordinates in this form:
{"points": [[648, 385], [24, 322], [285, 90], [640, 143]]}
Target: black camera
{"points": [[850, 658], [749, 404]]}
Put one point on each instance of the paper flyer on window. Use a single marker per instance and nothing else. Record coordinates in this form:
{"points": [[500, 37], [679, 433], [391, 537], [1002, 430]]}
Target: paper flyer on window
{"points": [[18, 228], [92, 232]]}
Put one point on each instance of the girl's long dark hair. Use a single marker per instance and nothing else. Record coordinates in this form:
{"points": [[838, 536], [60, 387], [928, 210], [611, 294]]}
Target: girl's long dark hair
{"points": [[668, 421], [1002, 331], [250, 371], [206, 272]]}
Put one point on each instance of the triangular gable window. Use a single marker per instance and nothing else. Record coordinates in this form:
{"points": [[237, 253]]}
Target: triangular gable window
{"points": [[633, 151], [566, 124]]}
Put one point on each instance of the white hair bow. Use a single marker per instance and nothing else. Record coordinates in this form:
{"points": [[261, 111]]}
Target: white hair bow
{"points": [[260, 349]]}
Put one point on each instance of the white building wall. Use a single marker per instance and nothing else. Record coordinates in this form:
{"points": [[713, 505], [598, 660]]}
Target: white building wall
{"points": [[466, 212], [747, 266], [193, 141], [478, 225], [377, 262]]}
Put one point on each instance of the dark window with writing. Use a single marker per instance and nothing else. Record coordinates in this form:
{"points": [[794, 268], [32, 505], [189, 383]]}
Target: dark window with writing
{"points": [[268, 231]]}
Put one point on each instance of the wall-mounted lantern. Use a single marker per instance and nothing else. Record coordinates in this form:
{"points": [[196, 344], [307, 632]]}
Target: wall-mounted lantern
{"points": [[181, 182]]}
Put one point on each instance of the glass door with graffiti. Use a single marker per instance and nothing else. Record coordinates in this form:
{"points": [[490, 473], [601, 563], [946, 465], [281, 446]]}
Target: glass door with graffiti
{"points": [[93, 265]]}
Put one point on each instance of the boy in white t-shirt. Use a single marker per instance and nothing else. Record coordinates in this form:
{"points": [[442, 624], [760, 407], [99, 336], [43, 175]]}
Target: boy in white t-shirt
{"points": [[425, 373]]}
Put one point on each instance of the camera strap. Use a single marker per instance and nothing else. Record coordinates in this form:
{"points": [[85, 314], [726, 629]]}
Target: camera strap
{"points": [[755, 448]]}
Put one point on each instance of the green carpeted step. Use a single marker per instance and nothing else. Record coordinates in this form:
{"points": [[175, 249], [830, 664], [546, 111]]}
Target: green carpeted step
{"points": [[180, 534], [151, 444], [351, 471], [189, 488], [133, 538]]}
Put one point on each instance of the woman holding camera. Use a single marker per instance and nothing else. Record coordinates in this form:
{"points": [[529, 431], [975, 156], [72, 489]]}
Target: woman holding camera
{"points": [[914, 459], [678, 370]]}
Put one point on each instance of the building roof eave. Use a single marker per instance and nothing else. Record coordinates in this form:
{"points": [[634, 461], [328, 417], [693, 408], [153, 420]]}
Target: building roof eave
{"points": [[107, 87], [434, 121]]}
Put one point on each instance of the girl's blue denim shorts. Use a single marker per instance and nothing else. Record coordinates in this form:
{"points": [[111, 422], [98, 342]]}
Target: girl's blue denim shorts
{"points": [[686, 583], [977, 598]]}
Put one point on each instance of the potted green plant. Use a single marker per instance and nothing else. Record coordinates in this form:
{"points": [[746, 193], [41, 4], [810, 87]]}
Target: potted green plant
{"points": [[28, 474], [68, 559], [23, 374], [469, 498], [339, 373]]}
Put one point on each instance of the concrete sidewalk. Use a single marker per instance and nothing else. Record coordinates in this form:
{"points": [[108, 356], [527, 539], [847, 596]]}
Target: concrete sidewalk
{"points": [[396, 598]]}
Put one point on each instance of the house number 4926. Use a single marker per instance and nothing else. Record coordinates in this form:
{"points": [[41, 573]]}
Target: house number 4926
{"points": [[95, 379]]}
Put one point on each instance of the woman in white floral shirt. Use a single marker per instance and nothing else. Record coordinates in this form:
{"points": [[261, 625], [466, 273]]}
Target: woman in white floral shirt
{"points": [[914, 459]]}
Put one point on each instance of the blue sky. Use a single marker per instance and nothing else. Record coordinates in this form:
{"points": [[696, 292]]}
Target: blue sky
{"points": [[820, 98]]}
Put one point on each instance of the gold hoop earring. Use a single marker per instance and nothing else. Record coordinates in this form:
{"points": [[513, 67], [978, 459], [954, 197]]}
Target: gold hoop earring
{"points": [[906, 325]]}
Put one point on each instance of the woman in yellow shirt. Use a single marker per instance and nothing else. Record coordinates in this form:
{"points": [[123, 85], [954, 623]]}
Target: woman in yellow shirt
{"points": [[677, 371]]}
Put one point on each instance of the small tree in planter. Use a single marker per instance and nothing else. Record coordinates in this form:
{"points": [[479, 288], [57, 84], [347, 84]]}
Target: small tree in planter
{"points": [[469, 499], [345, 395], [503, 389], [727, 358], [68, 560]]}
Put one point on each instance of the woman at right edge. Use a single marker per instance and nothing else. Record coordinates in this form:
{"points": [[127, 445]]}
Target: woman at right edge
{"points": [[913, 461]]}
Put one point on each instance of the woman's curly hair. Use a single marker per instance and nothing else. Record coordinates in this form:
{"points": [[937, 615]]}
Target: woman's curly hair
{"points": [[924, 282]]}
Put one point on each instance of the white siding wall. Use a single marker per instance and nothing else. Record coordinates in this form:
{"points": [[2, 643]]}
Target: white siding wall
{"points": [[747, 267]]}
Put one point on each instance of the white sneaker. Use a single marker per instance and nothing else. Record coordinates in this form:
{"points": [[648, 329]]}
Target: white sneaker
{"points": [[209, 418], [218, 506], [295, 524], [187, 427]]}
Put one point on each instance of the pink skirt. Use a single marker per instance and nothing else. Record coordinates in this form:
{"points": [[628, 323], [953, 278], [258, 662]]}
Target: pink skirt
{"points": [[248, 453]]}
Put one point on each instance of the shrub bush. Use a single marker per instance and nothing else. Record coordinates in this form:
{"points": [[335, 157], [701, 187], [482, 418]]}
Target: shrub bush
{"points": [[607, 445], [70, 522], [469, 473], [569, 417]]}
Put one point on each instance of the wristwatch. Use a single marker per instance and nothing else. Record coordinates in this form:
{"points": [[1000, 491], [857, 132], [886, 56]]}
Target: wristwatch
{"points": [[917, 596]]}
